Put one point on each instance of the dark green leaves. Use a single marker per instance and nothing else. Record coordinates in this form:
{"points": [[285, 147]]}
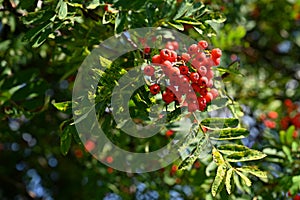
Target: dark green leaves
{"points": [[66, 139]]}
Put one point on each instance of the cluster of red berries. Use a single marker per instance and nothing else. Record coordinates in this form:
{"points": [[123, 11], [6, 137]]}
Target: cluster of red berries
{"points": [[292, 117], [269, 119], [188, 78]]}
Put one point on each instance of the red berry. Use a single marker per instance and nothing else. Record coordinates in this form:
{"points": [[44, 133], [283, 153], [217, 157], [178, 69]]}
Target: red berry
{"points": [[203, 81], [216, 53], [174, 72], [208, 97], [202, 103], [194, 77], [154, 89], [214, 92], [185, 56], [147, 50], [210, 83], [167, 54], [191, 97], [149, 70], [193, 49], [156, 59], [295, 134], [201, 57], [196, 87], [296, 120], [184, 70], [216, 61], [168, 97], [203, 91], [169, 45], [202, 70], [273, 114], [297, 197], [169, 133], [269, 123], [202, 44], [192, 107], [210, 74], [109, 159], [175, 45]]}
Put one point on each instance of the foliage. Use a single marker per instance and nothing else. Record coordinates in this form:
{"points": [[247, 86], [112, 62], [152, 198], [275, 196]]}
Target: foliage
{"points": [[43, 43]]}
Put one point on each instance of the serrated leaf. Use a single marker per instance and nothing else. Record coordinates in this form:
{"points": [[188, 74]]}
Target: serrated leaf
{"points": [[221, 172], [220, 123], [248, 155], [244, 178], [65, 140], [228, 180], [189, 161], [254, 171], [62, 106], [229, 134], [231, 148], [176, 25], [217, 156]]}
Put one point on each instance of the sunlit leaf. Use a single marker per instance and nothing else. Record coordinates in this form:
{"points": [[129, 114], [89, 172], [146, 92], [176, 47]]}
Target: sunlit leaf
{"points": [[219, 123], [177, 25], [231, 148], [217, 156], [221, 173], [228, 180], [253, 170], [229, 134], [63, 10], [244, 178], [248, 155], [62, 106]]}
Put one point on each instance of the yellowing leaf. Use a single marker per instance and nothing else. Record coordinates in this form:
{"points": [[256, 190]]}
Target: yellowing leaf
{"points": [[228, 180], [221, 172], [244, 178]]}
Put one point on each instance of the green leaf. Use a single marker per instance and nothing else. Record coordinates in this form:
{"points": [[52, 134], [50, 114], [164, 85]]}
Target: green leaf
{"points": [[220, 123], [34, 32], [248, 155], [65, 140], [229, 134], [289, 135], [105, 63], [63, 106], [228, 180], [244, 178], [188, 20], [231, 148], [221, 173], [217, 104], [189, 161], [176, 25], [63, 10], [184, 7], [217, 156], [120, 22], [254, 171], [287, 152]]}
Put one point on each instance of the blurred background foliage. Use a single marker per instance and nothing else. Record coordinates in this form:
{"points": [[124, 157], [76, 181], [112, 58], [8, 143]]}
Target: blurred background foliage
{"points": [[44, 42]]}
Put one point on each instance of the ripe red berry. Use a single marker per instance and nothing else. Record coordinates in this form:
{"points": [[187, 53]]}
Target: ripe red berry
{"points": [[168, 97], [174, 72], [175, 45], [203, 91], [149, 70], [214, 92], [192, 107], [201, 57], [194, 77], [167, 54], [269, 123], [208, 97], [147, 50], [216, 61], [216, 53], [202, 103], [273, 114], [191, 97], [202, 44], [109, 159], [169, 133], [202, 70], [169, 46], [196, 87], [184, 70], [156, 59], [210, 74], [154, 89], [203, 81], [185, 56], [193, 49]]}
